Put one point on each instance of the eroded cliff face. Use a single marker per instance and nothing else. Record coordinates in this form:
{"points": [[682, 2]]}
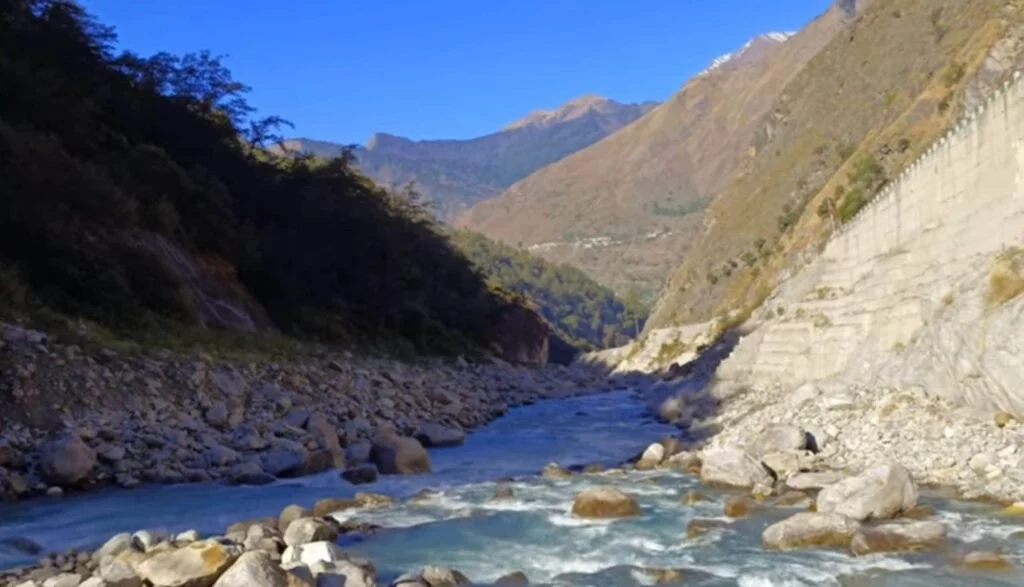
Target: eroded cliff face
{"points": [[920, 292]]}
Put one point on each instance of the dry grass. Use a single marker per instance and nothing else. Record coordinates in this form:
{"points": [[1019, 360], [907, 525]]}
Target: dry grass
{"points": [[1006, 278]]}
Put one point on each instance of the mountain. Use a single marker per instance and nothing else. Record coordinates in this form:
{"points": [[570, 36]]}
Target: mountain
{"points": [[846, 125], [455, 174], [627, 208], [582, 312]]}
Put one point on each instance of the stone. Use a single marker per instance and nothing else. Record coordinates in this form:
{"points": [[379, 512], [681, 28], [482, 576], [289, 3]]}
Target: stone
{"points": [[361, 475], [880, 492], [504, 491], [249, 473], [254, 569], [672, 409], [373, 500], [330, 505], [90, 582], [397, 455], [554, 471], [442, 577], [306, 530], [739, 506], [111, 453], [898, 537], [219, 455], [792, 498], [687, 462], [986, 561], [785, 463], [291, 513], [433, 435], [516, 579], [197, 565], [357, 453], [813, 481], [347, 572], [783, 438], [919, 512], [54, 492], [114, 546], [63, 580], [312, 552], [285, 458], [217, 415], [186, 537], [146, 540], [327, 434], [604, 502], [693, 496], [118, 573], [733, 468], [809, 530], [66, 461], [700, 526], [651, 457]]}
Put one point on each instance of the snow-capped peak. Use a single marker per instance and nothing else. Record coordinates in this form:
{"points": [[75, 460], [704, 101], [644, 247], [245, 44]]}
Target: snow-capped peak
{"points": [[774, 37]]}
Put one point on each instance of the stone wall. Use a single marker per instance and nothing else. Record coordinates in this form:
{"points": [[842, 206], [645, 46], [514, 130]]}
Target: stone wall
{"points": [[899, 296]]}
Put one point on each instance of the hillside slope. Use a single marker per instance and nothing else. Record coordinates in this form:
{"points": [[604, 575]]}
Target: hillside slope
{"points": [[627, 208], [137, 195], [455, 174], [847, 123]]}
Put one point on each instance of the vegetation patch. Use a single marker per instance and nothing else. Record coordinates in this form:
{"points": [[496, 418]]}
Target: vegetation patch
{"points": [[1006, 278], [670, 351]]}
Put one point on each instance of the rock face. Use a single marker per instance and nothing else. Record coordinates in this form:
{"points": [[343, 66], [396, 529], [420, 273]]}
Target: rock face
{"points": [[433, 435], [733, 468], [604, 502], [66, 461], [808, 530], [397, 455], [196, 565], [881, 492], [523, 337], [898, 537]]}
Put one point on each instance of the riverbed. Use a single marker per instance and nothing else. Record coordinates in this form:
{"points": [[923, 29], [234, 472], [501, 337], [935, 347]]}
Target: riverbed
{"points": [[462, 527]]}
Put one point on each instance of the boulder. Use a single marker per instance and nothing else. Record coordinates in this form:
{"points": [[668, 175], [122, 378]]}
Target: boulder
{"points": [[685, 462], [898, 537], [436, 436], [813, 481], [248, 473], [672, 409], [63, 580], [604, 502], [357, 453], [114, 546], [254, 569], [693, 496], [700, 526], [312, 552], [442, 577], [986, 561], [739, 506], [880, 492], [651, 457], [398, 455], [784, 463], [792, 498], [554, 471], [361, 475], [217, 415], [330, 505], [733, 468], [809, 530], [199, 564], [117, 573], [504, 491], [373, 500], [285, 458], [66, 461], [347, 572], [516, 579], [306, 530], [782, 438], [291, 513], [327, 435]]}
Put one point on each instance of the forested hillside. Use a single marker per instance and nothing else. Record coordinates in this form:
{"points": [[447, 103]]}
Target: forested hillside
{"points": [[137, 193], [583, 312]]}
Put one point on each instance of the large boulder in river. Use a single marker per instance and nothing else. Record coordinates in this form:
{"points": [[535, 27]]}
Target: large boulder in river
{"points": [[731, 467], [782, 438], [898, 537], [199, 564], [399, 455], [880, 492], [254, 569], [604, 502], [810, 530], [66, 461], [435, 435]]}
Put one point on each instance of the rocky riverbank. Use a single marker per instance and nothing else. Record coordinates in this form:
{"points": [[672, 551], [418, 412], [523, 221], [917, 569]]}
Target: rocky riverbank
{"points": [[941, 444], [73, 420]]}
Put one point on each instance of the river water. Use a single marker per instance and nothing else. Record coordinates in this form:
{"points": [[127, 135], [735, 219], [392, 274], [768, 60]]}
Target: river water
{"points": [[462, 527]]}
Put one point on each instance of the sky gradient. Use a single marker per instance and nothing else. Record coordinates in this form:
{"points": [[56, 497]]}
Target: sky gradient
{"points": [[341, 70]]}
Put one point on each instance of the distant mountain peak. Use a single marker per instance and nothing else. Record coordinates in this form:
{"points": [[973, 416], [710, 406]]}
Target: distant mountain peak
{"points": [[761, 41], [572, 109]]}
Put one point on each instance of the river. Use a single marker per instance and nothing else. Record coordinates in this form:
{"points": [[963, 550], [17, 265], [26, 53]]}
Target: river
{"points": [[463, 528]]}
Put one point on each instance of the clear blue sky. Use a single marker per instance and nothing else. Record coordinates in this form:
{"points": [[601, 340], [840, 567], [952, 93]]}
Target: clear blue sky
{"points": [[343, 69]]}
